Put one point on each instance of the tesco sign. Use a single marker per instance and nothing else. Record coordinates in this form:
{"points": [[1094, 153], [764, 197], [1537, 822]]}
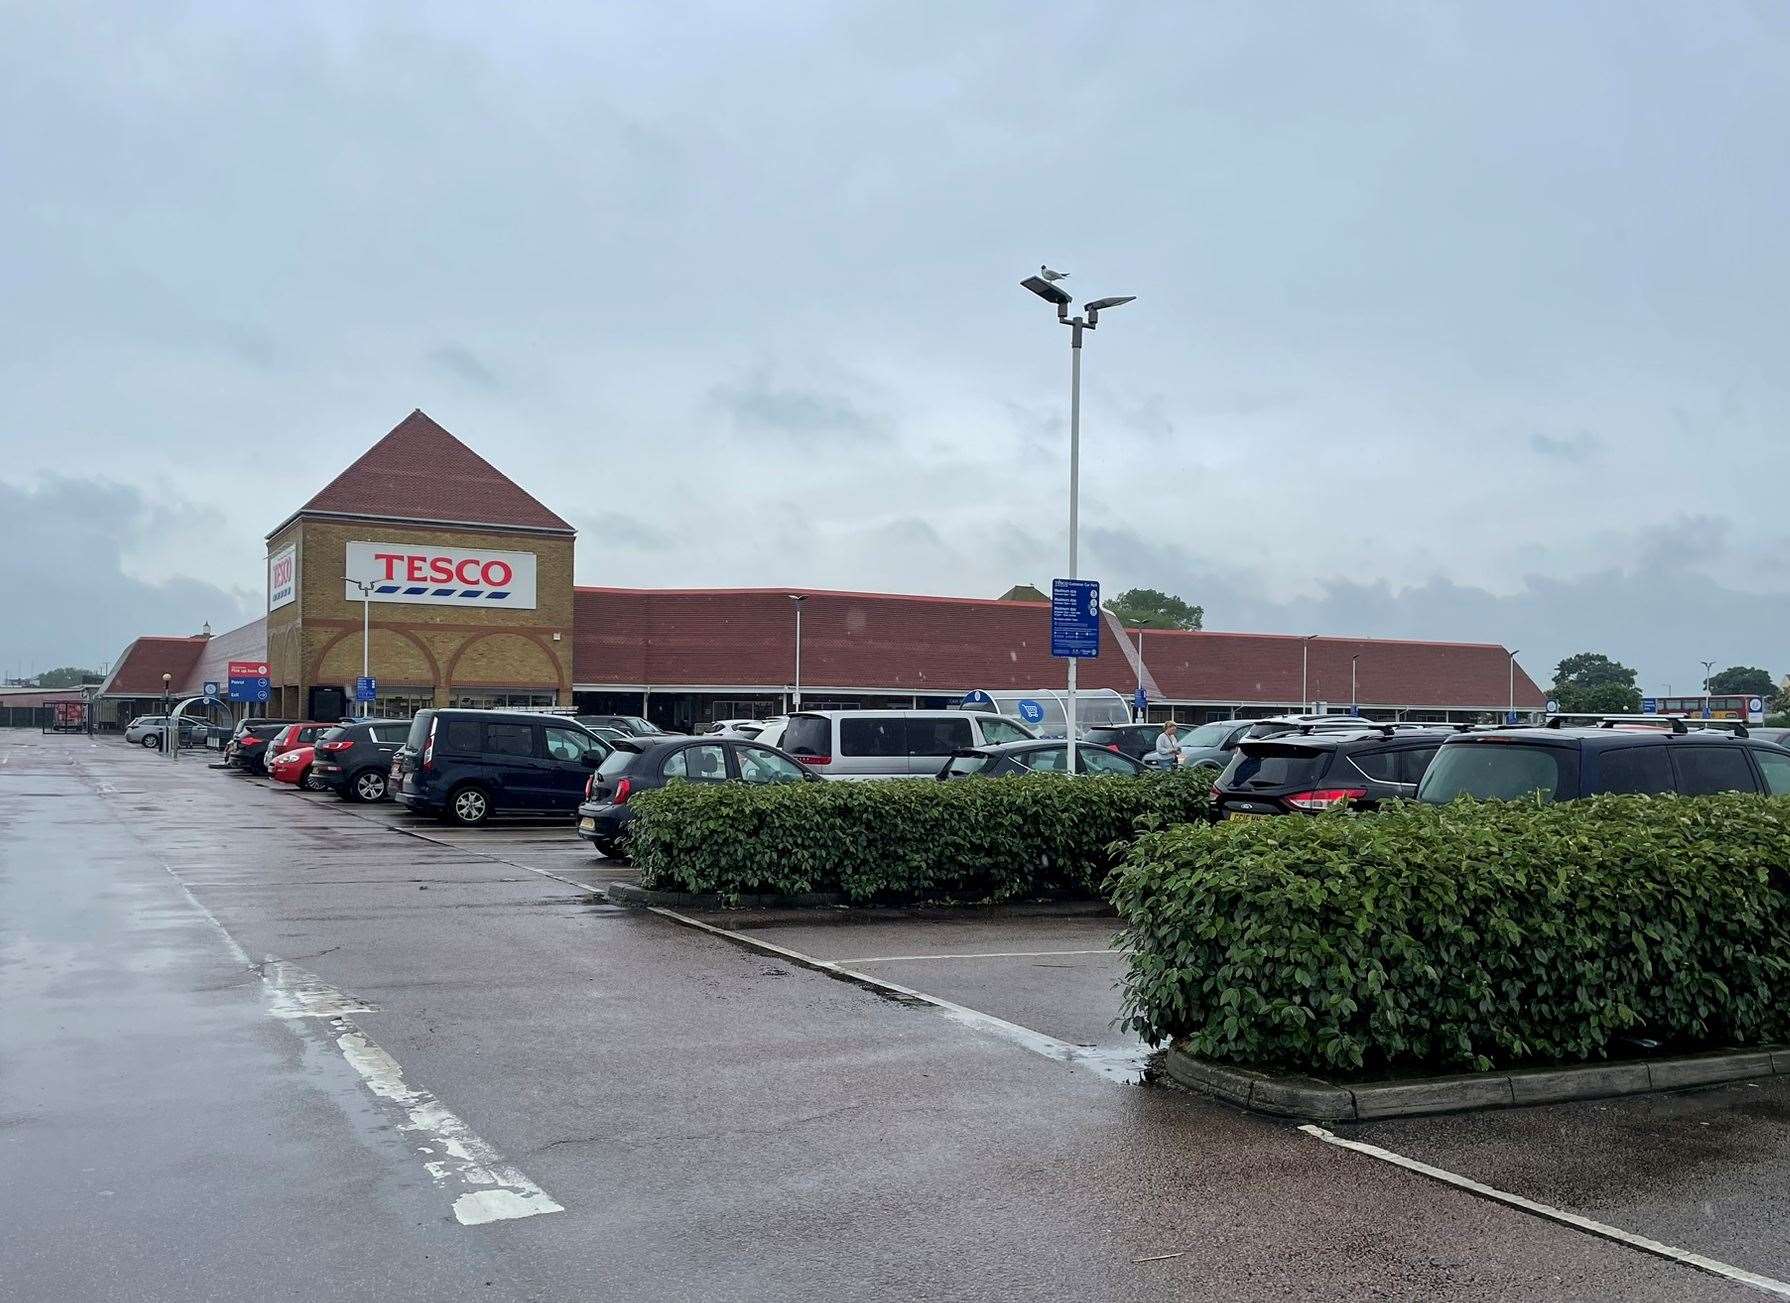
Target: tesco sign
{"points": [[431, 575]]}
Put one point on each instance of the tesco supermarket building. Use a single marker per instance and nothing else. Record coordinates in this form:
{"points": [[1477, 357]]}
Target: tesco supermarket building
{"points": [[472, 603]]}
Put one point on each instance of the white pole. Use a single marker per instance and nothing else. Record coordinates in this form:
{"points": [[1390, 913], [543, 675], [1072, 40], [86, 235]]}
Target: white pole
{"points": [[1074, 502], [1354, 697], [366, 639], [1304, 677], [798, 685]]}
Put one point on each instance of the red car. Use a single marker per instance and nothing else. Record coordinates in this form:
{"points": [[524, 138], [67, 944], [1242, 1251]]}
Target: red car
{"points": [[293, 766]]}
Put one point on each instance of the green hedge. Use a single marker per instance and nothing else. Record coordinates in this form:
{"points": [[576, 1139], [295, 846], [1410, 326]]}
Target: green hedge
{"points": [[1465, 936], [980, 839]]}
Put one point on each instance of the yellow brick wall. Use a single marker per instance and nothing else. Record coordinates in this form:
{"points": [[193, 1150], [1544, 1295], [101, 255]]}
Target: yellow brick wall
{"points": [[317, 639]]}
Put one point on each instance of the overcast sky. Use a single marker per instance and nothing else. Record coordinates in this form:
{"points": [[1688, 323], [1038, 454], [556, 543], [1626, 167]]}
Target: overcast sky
{"points": [[1453, 322]]}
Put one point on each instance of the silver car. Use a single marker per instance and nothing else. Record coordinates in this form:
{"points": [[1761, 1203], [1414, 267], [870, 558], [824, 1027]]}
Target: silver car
{"points": [[849, 745], [1216, 743]]}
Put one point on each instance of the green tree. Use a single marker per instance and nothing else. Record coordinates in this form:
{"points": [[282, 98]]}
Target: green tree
{"points": [[1150, 608], [67, 676], [1591, 683], [1743, 678]]}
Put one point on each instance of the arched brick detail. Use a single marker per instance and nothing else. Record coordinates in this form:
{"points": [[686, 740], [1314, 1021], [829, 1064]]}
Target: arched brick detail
{"points": [[316, 666], [564, 675]]}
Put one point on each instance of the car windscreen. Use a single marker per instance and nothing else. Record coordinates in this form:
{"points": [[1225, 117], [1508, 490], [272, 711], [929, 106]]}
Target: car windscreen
{"points": [[1207, 735], [969, 763], [808, 735], [331, 735], [1269, 765], [616, 762], [1499, 771]]}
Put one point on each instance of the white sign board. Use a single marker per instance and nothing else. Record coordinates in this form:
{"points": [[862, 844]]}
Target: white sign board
{"points": [[428, 574], [282, 577]]}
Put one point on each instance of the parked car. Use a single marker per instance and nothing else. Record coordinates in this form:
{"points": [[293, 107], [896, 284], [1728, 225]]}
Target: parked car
{"points": [[354, 760], [632, 725], [1216, 742], [1643, 754], [859, 744], [467, 765], [1775, 736], [292, 736], [738, 727], [771, 730], [643, 763], [1042, 756], [146, 731], [1134, 740], [247, 749], [293, 766], [1318, 769]]}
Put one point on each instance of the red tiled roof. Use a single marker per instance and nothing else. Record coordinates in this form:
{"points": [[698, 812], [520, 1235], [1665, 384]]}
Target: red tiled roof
{"points": [[946, 645], [420, 472], [139, 671]]}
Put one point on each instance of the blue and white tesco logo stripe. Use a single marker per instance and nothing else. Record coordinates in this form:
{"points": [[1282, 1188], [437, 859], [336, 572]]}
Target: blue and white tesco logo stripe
{"points": [[431, 575]]}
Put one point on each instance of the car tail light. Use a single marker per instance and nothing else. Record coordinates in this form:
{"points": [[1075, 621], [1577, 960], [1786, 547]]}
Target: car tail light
{"points": [[429, 746], [623, 790], [1215, 792], [815, 760], [588, 784], [252, 741], [1114, 748], [341, 745], [1325, 798]]}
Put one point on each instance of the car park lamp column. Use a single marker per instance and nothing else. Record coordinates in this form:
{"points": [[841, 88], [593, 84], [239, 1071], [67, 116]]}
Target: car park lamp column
{"points": [[1708, 670], [1047, 289], [167, 724], [796, 600], [1354, 697], [1305, 674], [366, 633], [1512, 708]]}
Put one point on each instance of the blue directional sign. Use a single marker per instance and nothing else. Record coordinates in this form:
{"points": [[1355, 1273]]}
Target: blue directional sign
{"points": [[1510, 717], [1706, 714], [1141, 700], [1553, 706], [1030, 711], [365, 688], [1074, 618], [211, 690], [1355, 711], [248, 689], [977, 700], [1650, 705]]}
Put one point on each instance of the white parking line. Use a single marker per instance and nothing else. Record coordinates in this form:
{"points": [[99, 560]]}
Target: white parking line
{"points": [[1124, 1065], [985, 954], [1715, 1268], [486, 1187]]}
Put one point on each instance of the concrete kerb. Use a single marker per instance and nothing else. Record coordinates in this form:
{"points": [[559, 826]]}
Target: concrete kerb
{"points": [[1311, 1099], [762, 911]]}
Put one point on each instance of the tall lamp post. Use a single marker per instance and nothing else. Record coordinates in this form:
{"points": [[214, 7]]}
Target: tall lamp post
{"points": [[1354, 697], [796, 600], [366, 634], [167, 724], [1708, 670], [1305, 674], [1512, 708], [1047, 289]]}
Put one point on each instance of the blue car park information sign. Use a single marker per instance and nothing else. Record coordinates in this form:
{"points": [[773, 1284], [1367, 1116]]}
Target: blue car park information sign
{"points": [[977, 700], [1510, 717], [248, 681], [211, 690], [365, 688], [1141, 700], [1650, 705], [1074, 618], [1030, 711]]}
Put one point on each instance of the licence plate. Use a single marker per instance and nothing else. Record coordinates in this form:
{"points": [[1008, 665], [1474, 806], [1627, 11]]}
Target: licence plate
{"points": [[1246, 814], [587, 824]]}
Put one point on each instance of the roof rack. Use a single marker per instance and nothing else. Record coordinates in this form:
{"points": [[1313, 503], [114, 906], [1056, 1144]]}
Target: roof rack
{"points": [[1677, 723]]}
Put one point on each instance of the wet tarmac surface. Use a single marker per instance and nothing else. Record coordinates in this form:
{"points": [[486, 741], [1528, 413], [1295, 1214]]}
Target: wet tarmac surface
{"points": [[239, 1027]]}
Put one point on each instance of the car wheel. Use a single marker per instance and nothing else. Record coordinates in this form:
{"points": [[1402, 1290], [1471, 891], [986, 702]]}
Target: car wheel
{"points": [[606, 845], [368, 785], [308, 783], [469, 806], [152, 741]]}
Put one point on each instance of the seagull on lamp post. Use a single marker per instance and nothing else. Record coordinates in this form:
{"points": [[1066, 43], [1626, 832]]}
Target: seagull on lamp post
{"points": [[1050, 275]]}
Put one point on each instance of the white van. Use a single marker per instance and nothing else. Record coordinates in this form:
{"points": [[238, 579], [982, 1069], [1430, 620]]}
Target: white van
{"points": [[858, 744]]}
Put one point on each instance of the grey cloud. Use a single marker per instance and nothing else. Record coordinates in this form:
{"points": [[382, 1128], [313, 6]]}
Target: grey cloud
{"points": [[63, 582], [800, 413], [619, 531], [1579, 446], [463, 364]]}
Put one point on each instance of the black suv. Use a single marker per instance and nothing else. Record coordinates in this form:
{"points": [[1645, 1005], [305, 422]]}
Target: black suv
{"points": [[1134, 740], [638, 764], [1316, 768], [247, 747], [354, 761], [1649, 755], [466, 765]]}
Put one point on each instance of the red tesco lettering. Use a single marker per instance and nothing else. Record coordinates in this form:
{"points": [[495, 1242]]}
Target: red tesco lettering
{"points": [[422, 568]]}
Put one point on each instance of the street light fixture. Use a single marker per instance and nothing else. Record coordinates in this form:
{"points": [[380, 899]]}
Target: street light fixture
{"points": [[1512, 708], [796, 600], [1305, 673], [1354, 697], [1058, 298], [1708, 670], [167, 723], [366, 634]]}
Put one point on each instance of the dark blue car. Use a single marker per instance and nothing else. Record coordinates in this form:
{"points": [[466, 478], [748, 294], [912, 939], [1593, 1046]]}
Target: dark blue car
{"points": [[467, 765]]}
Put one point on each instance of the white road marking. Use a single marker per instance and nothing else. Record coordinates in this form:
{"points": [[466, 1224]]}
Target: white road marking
{"points": [[988, 954], [1122, 1065], [485, 1185], [1615, 1234]]}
